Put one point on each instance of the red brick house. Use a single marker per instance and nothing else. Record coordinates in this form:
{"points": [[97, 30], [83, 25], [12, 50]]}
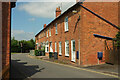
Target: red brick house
{"points": [[5, 31], [71, 34]]}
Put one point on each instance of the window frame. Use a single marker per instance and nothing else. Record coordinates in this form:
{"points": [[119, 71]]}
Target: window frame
{"points": [[56, 31], [55, 46], [60, 48], [51, 47], [47, 47], [66, 52], [66, 24], [49, 31]]}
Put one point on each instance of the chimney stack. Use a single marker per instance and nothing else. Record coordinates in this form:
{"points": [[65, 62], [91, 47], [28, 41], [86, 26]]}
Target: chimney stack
{"points": [[44, 25], [58, 11]]}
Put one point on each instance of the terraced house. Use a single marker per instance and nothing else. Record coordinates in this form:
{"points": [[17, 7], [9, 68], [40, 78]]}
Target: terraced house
{"points": [[78, 34]]}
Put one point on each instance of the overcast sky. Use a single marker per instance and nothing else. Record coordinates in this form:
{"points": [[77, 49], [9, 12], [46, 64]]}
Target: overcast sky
{"points": [[28, 18]]}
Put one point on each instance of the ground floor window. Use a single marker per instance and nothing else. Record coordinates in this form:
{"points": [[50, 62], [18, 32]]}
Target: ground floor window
{"points": [[60, 48], [47, 47], [66, 48], [55, 47]]}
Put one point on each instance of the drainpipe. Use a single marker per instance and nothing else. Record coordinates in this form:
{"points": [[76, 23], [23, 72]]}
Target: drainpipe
{"points": [[79, 40], [75, 12]]}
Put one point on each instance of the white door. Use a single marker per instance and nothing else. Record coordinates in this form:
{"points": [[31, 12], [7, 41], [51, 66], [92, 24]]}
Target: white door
{"points": [[73, 50], [51, 50]]}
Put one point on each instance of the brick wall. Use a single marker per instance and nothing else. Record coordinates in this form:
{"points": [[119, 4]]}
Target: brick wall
{"points": [[88, 25], [62, 35], [91, 24], [0, 39], [6, 12], [6, 32]]}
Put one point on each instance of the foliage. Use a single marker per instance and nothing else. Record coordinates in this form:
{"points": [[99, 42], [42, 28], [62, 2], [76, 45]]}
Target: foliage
{"points": [[23, 45], [36, 53], [15, 46], [40, 52], [118, 39]]}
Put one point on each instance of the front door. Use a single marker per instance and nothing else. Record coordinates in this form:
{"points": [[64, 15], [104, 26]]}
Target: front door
{"points": [[51, 50], [73, 50]]}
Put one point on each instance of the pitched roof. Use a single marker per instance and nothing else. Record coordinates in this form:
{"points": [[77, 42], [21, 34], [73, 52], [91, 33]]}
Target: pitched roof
{"points": [[78, 4], [70, 9]]}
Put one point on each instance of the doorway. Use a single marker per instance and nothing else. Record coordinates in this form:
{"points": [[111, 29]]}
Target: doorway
{"points": [[73, 50]]}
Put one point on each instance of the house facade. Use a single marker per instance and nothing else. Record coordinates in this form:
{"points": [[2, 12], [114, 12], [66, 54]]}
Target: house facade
{"points": [[71, 34], [5, 35]]}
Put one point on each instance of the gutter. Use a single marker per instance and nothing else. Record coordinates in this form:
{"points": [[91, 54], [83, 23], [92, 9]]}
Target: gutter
{"points": [[103, 37]]}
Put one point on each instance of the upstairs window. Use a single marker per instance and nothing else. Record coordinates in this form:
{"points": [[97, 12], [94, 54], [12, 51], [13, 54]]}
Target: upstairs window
{"points": [[66, 23], [44, 34], [56, 29]]}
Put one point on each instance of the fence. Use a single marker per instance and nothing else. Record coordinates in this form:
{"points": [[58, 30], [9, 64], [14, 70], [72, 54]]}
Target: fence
{"points": [[111, 52]]}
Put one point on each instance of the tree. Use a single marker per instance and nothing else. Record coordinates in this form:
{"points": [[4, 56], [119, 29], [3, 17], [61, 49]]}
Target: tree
{"points": [[15, 47], [26, 45], [118, 38]]}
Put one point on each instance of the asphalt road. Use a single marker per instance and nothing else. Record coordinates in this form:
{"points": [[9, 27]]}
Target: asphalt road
{"points": [[24, 67]]}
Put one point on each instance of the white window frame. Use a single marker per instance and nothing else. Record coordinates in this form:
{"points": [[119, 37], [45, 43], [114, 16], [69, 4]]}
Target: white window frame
{"points": [[55, 47], [49, 31], [66, 52], [47, 47], [51, 50], [60, 48], [66, 24], [56, 32]]}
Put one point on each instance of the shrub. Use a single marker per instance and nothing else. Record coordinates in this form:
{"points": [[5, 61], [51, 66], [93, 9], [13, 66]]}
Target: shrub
{"points": [[40, 52], [118, 39], [36, 53]]}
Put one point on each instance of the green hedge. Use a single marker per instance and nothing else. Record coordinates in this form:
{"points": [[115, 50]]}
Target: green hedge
{"points": [[39, 53]]}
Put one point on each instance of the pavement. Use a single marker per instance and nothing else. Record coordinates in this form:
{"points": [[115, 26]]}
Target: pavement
{"points": [[26, 68], [105, 68]]}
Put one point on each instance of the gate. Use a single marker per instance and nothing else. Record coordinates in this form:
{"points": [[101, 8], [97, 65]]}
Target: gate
{"points": [[111, 52]]}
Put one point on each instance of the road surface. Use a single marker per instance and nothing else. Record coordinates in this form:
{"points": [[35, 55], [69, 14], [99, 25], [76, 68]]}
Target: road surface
{"points": [[24, 67]]}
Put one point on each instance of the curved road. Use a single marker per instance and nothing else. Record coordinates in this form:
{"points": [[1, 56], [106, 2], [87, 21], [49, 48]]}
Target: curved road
{"points": [[24, 67]]}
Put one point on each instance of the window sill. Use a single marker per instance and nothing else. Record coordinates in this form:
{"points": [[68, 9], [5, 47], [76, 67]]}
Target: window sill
{"points": [[56, 33], [66, 31], [66, 55], [60, 54]]}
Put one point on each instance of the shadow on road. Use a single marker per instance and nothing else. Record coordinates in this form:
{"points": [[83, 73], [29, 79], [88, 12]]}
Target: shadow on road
{"points": [[21, 70]]}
